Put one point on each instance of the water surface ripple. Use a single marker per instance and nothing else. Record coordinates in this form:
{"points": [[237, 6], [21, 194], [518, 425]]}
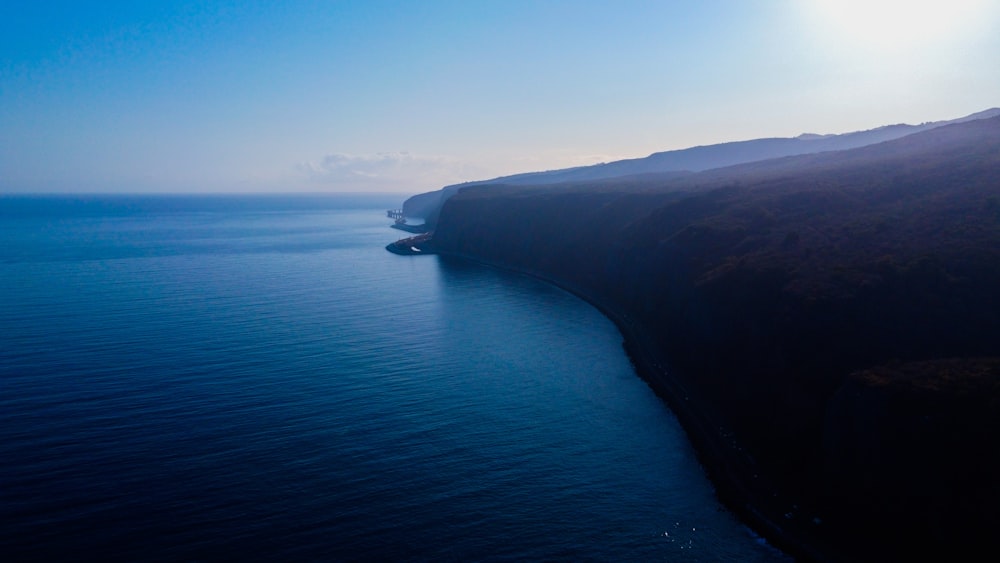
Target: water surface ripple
{"points": [[256, 378]]}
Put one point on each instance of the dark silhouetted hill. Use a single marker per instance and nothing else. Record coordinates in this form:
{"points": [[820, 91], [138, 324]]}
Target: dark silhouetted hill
{"points": [[827, 326]]}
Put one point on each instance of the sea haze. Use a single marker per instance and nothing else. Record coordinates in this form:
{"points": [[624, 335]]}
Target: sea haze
{"points": [[256, 377]]}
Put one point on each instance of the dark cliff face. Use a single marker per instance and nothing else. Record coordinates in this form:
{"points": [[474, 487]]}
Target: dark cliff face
{"points": [[423, 205], [915, 442], [764, 286]]}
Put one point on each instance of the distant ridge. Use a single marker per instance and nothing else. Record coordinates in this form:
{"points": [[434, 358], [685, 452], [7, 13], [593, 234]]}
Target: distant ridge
{"points": [[694, 159]]}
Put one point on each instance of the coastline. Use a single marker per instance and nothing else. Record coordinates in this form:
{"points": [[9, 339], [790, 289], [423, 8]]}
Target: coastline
{"points": [[853, 357], [411, 246], [731, 471]]}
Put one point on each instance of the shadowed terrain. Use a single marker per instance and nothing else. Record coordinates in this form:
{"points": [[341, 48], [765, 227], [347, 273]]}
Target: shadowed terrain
{"points": [[827, 326]]}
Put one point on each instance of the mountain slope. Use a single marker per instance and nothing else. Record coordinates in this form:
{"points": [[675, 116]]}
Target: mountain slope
{"points": [[692, 160], [826, 326]]}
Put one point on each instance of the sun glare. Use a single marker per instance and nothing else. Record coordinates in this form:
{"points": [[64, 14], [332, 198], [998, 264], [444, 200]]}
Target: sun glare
{"points": [[896, 25]]}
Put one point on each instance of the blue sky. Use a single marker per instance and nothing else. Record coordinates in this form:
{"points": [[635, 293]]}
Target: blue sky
{"points": [[409, 96]]}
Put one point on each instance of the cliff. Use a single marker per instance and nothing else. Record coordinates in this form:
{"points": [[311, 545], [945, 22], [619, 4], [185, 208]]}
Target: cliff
{"points": [[823, 324]]}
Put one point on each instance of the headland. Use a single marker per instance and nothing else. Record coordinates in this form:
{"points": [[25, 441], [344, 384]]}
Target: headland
{"points": [[826, 327]]}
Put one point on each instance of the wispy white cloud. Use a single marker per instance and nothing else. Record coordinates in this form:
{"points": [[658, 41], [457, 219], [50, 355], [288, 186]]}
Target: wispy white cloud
{"points": [[551, 160], [388, 171]]}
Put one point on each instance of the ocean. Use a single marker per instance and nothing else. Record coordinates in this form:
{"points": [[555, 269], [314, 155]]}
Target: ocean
{"points": [[256, 378]]}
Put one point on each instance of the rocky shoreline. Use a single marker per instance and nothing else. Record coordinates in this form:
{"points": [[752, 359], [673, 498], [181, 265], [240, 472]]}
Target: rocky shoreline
{"points": [[410, 246], [789, 522], [731, 470], [826, 328]]}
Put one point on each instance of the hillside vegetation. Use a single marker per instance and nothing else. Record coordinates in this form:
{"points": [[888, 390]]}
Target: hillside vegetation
{"points": [[832, 321]]}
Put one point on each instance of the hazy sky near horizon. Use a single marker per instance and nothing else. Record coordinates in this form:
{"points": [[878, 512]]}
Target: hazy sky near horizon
{"points": [[215, 96]]}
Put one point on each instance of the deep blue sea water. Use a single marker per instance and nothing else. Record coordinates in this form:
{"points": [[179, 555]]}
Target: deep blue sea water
{"points": [[205, 378]]}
